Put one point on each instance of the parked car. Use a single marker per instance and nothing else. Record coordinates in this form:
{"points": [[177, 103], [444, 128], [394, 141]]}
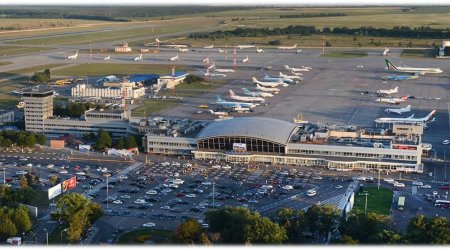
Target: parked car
{"points": [[149, 224]]}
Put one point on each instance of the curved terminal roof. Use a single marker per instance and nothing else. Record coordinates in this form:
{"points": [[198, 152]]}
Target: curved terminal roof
{"points": [[256, 127]]}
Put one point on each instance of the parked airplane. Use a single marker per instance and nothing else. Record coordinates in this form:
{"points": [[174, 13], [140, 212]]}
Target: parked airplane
{"points": [[268, 84], [303, 68], [221, 113], [245, 98], [245, 60], [206, 60], [256, 93], [265, 89], [394, 100], [224, 70], [175, 58], [421, 71], [209, 47], [73, 57], [259, 50], [288, 47], [245, 46], [211, 66], [183, 50], [107, 58], [409, 120], [299, 51], [384, 92], [229, 104], [401, 77], [277, 79], [177, 46], [294, 77], [296, 73], [139, 58], [399, 111], [385, 52], [207, 73], [221, 50]]}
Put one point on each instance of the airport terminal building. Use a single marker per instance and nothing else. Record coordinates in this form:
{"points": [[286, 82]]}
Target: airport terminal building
{"points": [[272, 141]]}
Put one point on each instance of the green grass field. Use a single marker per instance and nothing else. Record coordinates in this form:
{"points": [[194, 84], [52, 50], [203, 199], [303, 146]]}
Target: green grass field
{"points": [[17, 50], [378, 201], [192, 89], [142, 235], [418, 53], [153, 106], [345, 54], [101, 69], [2, 63]]}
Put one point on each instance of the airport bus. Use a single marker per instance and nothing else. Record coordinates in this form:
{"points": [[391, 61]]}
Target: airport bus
{"points": [[442, 203], [401, 203]]}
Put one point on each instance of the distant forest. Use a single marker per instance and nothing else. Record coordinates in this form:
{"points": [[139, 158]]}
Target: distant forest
{"points": [[105, 13], [404, 32]]}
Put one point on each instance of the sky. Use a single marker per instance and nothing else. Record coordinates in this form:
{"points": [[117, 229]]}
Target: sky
{"points": [[225, 2]]}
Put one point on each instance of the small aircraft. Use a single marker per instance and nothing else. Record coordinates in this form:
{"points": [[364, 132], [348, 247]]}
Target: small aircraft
{"points": [[139, 58], [245, 46], [107, 58], [183, 50], [399, 111], [303, 68], [288, 47], [229, 104], [385, 52], [408, 120], [269, 84], [421, 71], [224, 70], [211, 66], [207, 73], [299, 51], [265, 89], [245, 60], [221, 113], [257, 93], [401, 77], [221, 50], [245, 98], [73, 57], [258, 50], [294, 77], [394, 100], [385, 92], [209, 47], [277, 79], [175, 58], [206, 60]]}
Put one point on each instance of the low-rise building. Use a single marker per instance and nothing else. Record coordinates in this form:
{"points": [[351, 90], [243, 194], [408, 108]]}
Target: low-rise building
{"points": [[123, 48], [131, 91], [6, 116], [172, 80]]}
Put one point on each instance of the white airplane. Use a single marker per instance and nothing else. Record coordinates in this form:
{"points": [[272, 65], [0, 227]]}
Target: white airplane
{"points": [[399, 111], [294, 77], [183, 50], [245, 98], [387, 91], [222, 113], [409, 120], [296, 69], [288, 47], [107, 58], [299, 51], [274, 90], [295, 73], [175, 58], [259, 50], [207, 73], [211, 66], [257, 93], [421, 71], [245, 46], [209, 47], [157, 40], [385, 52], [221, 50], [278, 79], [139, 58], [394, 100], [206, 60], [73, 57], [177, 46], [224, 70], [229, 104], [268, 84], [245, 60]]}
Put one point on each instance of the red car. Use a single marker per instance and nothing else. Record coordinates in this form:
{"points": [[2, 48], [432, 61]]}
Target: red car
{"points": [[77, 168], [445, 187]]}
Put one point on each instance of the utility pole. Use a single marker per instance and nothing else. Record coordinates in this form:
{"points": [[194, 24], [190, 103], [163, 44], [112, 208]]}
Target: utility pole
{"points": [[4, 176], [365, 207], [379, 177], [213, 195]]}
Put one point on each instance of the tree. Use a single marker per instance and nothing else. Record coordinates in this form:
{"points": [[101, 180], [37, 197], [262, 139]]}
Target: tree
{"points": [[293, 222], [348, 240], [43, 76], [389, 237], [7, 228], [120, 143], [131, 142], [54, 179], [23, 182], [41, 139], [422, 230], [188, 231], [22, 219], [262, 230], [104, 140], [30, 140], [365, 228], [204, 239]]}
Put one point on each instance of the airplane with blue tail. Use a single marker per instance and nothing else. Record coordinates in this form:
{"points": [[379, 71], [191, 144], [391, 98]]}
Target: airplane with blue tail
{"points": [[277, 79], [401, 77]]}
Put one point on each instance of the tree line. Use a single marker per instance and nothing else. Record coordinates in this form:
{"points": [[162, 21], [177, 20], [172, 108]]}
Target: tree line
{"points": [[309, 15], [75, 109], [21, 139], [40, 77], [103, 140], [397, 31], [317, 225]]}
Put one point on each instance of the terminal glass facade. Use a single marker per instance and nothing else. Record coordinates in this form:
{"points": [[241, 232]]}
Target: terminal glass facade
{"points": [[252, 144]]}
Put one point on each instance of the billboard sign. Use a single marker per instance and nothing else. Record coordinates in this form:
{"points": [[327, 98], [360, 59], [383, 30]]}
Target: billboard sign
{"points": [[84, 148], [239, 147], [69, 184], [54, 191]]}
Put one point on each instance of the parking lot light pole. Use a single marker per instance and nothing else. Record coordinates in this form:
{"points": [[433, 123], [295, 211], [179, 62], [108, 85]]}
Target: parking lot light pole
{"points": [[365, 208], [213, 195], [4, 176], [65, 230], [46, 234], [379, 177], [107, 190]]}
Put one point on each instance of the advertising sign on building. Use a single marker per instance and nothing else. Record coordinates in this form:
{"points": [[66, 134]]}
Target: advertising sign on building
{"points": [[69, 184], [54, 191], [84, 148], [239, 147]]}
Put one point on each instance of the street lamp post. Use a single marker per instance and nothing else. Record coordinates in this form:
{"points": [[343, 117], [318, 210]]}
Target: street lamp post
{"points": [[4, 176], [365, 207], [379, 177], [107, 175], [46, 234], [65, 230], [213, 195]]}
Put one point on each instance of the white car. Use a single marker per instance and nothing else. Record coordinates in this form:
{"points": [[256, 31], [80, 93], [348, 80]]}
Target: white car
{"points": [[173, 185], [117, 202], [99, 169], [104, 170], [288, 187], [216, 166], [389, 180], [425, 186], [338, 187], [178, 181], [446, 142], [139, 201], [435, 192], [311, 192], [64, 171], [284, 173], [125, 196], [21, 172], [226, 167], [253, 201], [23, 159], [398, 184], [80, 173], [417, 183], [165, 207], [266, 186], [191, 195], [164, 164], [50, 166], [151, 191], [174, 163], [317, 178], [187, 165], [206, 183], [123, 177], [30, 165], [176, 174], [150, 224]]}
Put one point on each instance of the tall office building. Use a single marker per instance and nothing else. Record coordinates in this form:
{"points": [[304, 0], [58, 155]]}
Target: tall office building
{"points": [[38, 106]]}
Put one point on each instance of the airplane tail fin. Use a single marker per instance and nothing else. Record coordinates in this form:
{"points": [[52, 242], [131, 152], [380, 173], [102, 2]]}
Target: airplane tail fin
{"points": [[408, 107], [396, 89], [390, 65], [218, 99], [246, 91], [295, 45], [232, 94], [427, 118], [254, 80], [404, 97]]}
